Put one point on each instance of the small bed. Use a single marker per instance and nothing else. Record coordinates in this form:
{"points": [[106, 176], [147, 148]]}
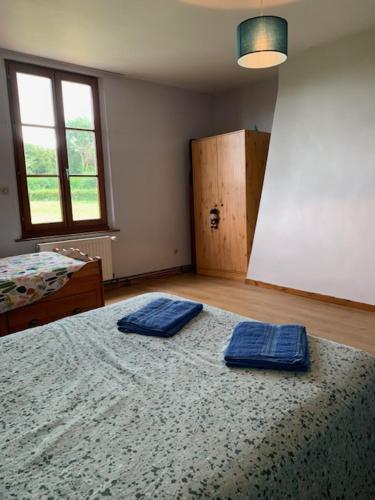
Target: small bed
{"points": [[89, 412], [41, 287]]}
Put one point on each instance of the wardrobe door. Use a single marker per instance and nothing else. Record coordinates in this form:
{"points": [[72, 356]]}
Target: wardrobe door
{"points": [[205, 185], [232, 203]]}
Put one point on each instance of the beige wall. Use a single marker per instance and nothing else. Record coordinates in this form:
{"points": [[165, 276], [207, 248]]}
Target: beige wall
{"points": [[316, 228], [146, 132]]}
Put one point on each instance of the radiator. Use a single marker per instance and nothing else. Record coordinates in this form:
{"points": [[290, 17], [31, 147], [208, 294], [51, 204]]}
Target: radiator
{"points": [[94, 247]]}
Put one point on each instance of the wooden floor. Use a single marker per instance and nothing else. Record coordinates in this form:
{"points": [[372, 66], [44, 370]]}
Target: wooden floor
{"points": [[341, 324]]}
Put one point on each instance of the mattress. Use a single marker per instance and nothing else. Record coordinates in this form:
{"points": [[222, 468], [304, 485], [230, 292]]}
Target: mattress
{"points": [[89, 412]]}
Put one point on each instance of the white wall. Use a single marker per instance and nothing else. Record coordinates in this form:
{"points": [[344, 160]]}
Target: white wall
{"points": [[146, 132], [245, 107], [316, 229], [149, 127]]}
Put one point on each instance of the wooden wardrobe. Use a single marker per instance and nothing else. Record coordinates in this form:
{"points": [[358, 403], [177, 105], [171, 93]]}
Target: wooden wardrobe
{"points": [[228, 172]]}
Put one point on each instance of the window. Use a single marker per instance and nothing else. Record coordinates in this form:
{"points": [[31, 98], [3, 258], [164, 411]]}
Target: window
{"points": [[58, 150]]}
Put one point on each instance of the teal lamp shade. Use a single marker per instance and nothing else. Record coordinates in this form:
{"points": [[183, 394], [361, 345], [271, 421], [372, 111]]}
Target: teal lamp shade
{"points": [[262, 42]]}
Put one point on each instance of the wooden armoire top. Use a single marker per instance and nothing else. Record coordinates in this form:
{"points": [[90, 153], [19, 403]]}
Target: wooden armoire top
{"points": [[242, 131]]}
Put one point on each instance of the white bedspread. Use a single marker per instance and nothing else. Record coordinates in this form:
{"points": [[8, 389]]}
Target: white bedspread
{"points": [[89, 412]]}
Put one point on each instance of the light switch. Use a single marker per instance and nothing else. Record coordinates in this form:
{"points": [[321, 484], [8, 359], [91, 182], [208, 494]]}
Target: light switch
{"points": [[4, 190]]}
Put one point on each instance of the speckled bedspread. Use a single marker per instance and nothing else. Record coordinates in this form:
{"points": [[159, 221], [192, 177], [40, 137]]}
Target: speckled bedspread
{"points": [[88, 412]]}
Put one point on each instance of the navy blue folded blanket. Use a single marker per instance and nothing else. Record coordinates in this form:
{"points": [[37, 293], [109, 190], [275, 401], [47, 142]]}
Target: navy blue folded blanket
{"points": [[263, 345], [160, 318]]}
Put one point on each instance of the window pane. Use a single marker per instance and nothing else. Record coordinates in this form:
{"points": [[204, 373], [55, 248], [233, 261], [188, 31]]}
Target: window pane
{"points": [[44, 196], [81, 152], [40, 150], [77, 99], [85, 198], [35, 96]]}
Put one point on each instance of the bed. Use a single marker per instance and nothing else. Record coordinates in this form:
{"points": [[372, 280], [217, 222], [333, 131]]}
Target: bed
{"points": [[41, 287], [89, 412]]}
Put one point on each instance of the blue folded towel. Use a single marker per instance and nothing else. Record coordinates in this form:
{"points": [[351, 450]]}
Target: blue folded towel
{"points": [[160, 318], [263, 345]]}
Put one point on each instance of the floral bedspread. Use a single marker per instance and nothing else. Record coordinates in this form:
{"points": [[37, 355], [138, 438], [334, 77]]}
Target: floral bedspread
{"points": [[27, 278]]}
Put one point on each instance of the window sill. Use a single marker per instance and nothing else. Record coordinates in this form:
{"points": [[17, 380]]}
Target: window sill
{"points": [[70, 236]]}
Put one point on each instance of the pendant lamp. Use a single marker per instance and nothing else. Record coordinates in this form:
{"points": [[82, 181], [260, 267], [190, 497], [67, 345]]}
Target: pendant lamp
{"points": [[262, 41]]}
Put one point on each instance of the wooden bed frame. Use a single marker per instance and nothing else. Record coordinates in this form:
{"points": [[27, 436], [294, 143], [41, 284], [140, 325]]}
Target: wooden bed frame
{"points": [[84, 291]]}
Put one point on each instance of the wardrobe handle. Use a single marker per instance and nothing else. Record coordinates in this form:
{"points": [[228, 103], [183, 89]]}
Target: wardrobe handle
{"points": [[214, 218]]}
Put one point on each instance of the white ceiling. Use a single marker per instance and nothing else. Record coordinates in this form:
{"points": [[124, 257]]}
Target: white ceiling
{"points": [[184, 43]]}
